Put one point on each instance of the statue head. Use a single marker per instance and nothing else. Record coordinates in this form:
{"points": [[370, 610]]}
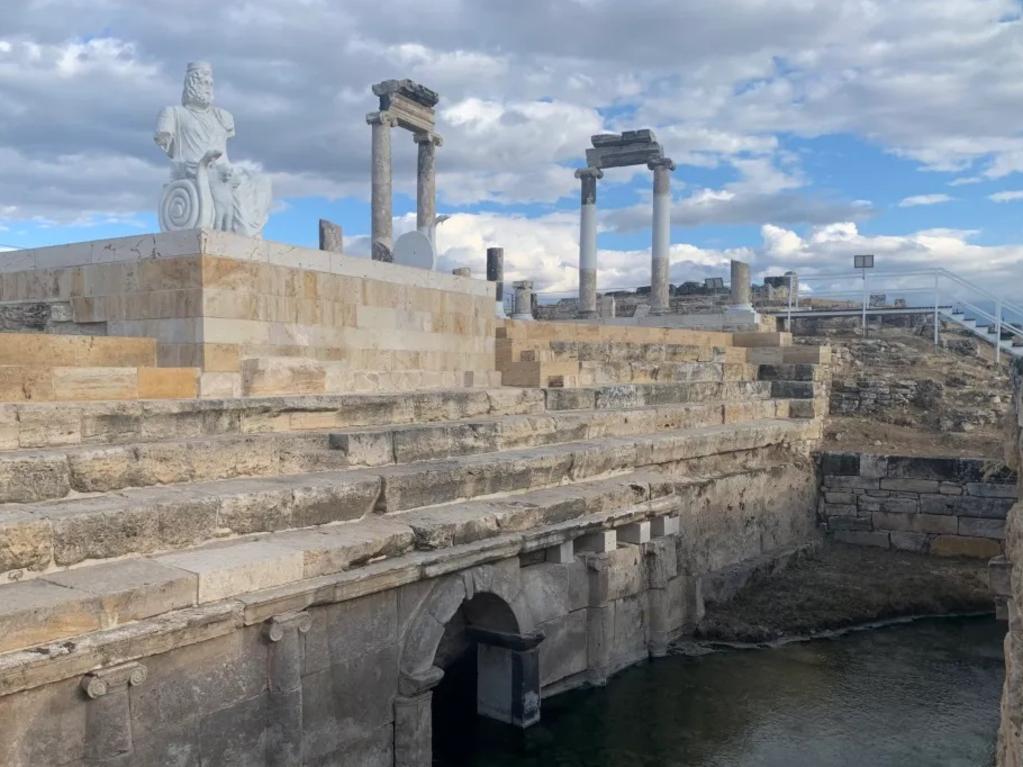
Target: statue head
{"points": [[198, 90]]}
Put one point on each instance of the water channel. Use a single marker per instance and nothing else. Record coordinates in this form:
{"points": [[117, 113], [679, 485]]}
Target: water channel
{"points": [[923, 694]]}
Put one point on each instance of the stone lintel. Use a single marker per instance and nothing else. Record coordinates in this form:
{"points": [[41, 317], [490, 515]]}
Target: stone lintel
{"points": [[407, 88], [517, 642], [623, 156], [98, 683], [410, 115], [641, 136]]}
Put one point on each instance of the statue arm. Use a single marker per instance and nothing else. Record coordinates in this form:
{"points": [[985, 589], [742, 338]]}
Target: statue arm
{"points": [[166, 128]]}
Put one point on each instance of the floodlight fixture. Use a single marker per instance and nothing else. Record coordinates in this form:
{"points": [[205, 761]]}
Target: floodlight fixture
{"points": [[863, 262]]}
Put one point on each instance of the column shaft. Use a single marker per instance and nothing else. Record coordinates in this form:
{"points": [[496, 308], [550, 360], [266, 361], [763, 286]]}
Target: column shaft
{"points": [[380, 197], [659, 258], [741, 290], [495, 273], [588, 241], [426, 184]]}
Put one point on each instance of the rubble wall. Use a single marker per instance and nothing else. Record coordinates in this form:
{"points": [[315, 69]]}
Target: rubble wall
{"points": [[334, 674], [1010, 736], [942, 506]]}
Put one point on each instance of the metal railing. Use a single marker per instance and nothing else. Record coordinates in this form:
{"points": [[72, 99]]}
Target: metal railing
{"points": [[961, 295]]}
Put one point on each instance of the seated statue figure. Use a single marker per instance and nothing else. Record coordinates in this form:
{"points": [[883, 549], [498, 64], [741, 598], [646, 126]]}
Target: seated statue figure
{"points": [[205, 189]]}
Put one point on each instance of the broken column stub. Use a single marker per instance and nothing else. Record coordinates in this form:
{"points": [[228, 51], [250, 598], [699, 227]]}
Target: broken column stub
{"points": [[331, 237], [523, 300], [495, 274]]}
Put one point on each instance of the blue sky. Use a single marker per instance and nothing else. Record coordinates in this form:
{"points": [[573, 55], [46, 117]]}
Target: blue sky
{"points": [[804, 131]]}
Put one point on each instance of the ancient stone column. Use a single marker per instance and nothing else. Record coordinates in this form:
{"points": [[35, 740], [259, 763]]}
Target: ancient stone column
{"points": [[426, 184], [331, 237], [588, 241], [741, 290], [380, 196], [523, 300], [495, 273], [659, 258], [108, 717], [284, 742], [413, 719]]}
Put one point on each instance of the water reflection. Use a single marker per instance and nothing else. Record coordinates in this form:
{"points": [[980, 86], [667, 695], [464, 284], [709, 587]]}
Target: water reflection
{"points": [[913, 695]]}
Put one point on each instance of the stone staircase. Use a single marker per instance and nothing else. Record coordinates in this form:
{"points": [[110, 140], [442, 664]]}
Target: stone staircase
{"points": [[40, 367], [112, 513]]}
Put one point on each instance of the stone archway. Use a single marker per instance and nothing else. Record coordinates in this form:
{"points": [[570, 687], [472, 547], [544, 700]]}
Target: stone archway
{"points": [[490, 599]]}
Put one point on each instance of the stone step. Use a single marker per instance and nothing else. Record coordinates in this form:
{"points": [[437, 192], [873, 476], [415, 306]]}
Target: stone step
{"points": [[583, 351], [49, 535], [50, 350], [271, 376], [610, 396], [59, 605], [654, 372], [28, 476], [33, 383], [32, 425], [790, 355], [793, 372]]}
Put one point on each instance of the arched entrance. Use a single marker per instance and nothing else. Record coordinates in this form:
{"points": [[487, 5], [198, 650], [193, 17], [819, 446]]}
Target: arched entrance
{"points": [[471, 645]]}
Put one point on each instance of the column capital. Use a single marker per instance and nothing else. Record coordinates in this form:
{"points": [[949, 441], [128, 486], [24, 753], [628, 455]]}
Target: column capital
{"points": [[98, 683], [413, 683], [278, 624], [663, 162], [384, 118], [588, 172], [428, 138]]}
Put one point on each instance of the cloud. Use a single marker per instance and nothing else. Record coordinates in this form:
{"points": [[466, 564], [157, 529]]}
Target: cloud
{"points": [[1007, 196], [924, 199]]}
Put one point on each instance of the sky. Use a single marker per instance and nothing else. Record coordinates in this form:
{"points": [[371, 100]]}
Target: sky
{"points": [[804, 131]]}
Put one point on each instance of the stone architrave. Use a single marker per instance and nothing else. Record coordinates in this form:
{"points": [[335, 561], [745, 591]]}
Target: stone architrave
{"points": [[408, 105], [206, 189], [331, 237]]}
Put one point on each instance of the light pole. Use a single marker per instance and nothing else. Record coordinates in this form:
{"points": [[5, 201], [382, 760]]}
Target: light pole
{"points": [[863, 263]]}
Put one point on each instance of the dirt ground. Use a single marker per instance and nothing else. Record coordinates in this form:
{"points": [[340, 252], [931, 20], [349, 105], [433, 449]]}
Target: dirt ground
{"points": [[841, 586], [861, 435]]}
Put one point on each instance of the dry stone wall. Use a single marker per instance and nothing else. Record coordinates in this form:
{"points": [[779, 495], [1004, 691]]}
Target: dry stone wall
{"points": [[942, 506], [1008, 583]]}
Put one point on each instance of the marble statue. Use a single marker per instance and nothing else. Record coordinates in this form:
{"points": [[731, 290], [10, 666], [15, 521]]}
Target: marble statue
{"points": [[206, 190]]}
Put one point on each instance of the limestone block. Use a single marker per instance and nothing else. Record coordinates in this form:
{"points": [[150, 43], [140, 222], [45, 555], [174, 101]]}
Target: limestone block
{"points": [[168, 383], [225, 570], [90, 383], [982, 528], [563, 651], [862, 538], [910, 541], [22, 384], [33, 477], [910, 485], [48, 426], [36, 611], [25, 542], [965, 546], [919, 523], [334, 548], [629, 644], [334, 497], [220, 385], [280, 375], [635, 533], [598, 543], [131, 590]]}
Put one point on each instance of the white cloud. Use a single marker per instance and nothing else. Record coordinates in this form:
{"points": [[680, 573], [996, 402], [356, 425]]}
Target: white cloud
{"points": [[924, 199], [1007, 196]]}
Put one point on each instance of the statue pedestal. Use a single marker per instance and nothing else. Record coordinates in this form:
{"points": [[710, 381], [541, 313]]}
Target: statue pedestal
{"points": [[212, 299]]}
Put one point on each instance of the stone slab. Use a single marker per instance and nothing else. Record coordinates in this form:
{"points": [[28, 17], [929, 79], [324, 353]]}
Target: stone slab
{"points": [[230, 569]]}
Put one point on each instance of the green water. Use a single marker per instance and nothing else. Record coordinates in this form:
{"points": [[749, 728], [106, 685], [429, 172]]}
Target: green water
{"points": [[910, 695]]}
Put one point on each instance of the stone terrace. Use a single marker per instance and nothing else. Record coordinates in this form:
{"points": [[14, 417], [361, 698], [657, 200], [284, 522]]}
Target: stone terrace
{"points": [[135, 528]]}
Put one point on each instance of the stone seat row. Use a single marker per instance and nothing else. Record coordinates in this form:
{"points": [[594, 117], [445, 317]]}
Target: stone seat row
{"points": [[33, 475], [149, 601], [48, 535], [406, 539]]}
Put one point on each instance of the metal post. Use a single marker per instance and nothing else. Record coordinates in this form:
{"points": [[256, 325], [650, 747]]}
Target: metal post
{"points": [[788, 325], [865, 299], [936, 304], [998, 332]]}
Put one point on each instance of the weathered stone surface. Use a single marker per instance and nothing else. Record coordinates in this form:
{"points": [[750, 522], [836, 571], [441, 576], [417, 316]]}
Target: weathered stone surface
{"points": [[36, 611], [878, 539], [965, 546], [228, 569], [982, 528], [910, 541], [25, 542]]}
